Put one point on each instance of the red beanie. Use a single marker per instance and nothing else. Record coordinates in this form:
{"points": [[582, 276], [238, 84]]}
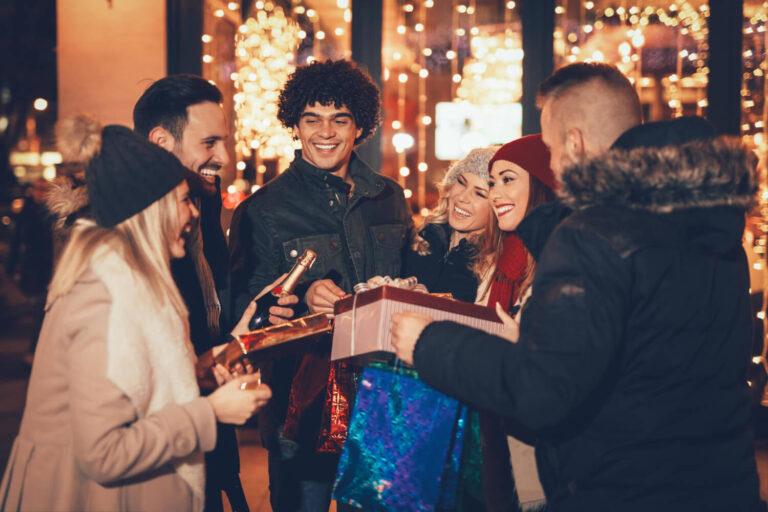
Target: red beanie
{"points": [[531, 154]]}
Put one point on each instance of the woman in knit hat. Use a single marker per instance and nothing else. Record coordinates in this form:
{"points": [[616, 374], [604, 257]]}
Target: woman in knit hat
{"points": [[520, 179], [442, 256], [114, 419]]}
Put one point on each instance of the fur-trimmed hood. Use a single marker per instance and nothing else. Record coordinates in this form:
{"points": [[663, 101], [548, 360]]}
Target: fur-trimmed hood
{"points": [[66, 198], [697, 174]]}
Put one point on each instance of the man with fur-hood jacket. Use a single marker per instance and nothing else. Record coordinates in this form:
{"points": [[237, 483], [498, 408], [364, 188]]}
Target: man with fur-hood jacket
{"points": [[633, 349]]}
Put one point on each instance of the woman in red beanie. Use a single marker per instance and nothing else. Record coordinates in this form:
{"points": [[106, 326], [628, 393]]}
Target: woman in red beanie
{"points": [[520, 179]]}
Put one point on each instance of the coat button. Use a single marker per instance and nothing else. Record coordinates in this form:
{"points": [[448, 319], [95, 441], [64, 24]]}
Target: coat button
{"points": [[330, 202], [294, 253], [334, 245]]}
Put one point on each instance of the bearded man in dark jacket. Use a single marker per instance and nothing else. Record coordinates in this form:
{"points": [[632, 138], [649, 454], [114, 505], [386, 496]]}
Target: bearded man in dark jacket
{"points": [[633, 349]]}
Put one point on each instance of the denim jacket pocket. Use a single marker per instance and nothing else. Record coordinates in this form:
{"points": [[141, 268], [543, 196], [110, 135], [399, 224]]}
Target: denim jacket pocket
{"points": [[388, 243], [328, 248]]}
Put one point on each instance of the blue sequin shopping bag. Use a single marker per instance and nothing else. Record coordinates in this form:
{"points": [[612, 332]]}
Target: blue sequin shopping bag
{"points": [[404, 445]]}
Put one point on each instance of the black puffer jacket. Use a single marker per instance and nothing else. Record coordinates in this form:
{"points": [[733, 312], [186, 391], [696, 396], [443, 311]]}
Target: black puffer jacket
{"points": [[634, 346]]}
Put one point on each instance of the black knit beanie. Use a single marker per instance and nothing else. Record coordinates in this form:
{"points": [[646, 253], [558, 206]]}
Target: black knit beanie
{"points": [[128, 174]]}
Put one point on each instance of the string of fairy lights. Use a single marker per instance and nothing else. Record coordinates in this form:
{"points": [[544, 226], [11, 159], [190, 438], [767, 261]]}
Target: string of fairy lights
{"points": [[637, 39]]}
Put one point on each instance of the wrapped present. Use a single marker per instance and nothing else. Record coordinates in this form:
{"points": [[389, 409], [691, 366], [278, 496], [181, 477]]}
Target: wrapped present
{"points": [[362, 322], [294, 336], [404, 446]]}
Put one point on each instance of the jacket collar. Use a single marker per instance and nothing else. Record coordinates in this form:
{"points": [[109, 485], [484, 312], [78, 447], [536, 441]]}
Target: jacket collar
{"points": [[367, 182], [699, 174]]}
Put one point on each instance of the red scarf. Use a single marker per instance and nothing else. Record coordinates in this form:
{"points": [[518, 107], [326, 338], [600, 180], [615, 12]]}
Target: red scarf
{"points": [[510, 270]]}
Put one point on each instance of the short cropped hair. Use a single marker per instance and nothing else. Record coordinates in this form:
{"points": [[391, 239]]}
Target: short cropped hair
{"points": [[580, 73], [165, 103], [340, 83]]}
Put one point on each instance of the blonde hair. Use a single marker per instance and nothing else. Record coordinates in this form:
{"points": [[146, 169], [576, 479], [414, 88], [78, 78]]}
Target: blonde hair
{"points": [[142, 241]]}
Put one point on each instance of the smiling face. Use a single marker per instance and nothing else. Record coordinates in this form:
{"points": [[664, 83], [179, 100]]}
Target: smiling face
{"points": [[468, 206], [186, 213], [509, 189], [327, 136], [203, 143]]}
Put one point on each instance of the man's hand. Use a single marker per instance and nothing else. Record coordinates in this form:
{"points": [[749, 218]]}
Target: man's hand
{"points": [[511, 329], [406, 329], [322, 295]]}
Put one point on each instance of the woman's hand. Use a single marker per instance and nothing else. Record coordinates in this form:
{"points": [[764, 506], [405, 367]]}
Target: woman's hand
{"points": [[278, 314], [234, 404], [511, 330], [406, 329]]}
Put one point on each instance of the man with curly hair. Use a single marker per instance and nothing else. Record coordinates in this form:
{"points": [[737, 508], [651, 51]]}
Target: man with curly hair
{"points": [[357, 222]]}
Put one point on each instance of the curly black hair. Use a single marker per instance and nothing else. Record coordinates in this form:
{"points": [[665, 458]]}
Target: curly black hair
{"points": [[340, 83]]}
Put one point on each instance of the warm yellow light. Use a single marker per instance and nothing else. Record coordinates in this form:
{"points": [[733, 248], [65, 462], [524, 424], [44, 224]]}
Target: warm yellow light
{"points": [[424, 211], [396, 56], [423, 73], [254, 188], [240, 166], [460, 32], [589, 5], [462, 8], [474, 31], [401, 29], [625, 49], [311, 13], [302, 34], [450, 55], [427, 52], [426, 120], [342, 4], [457, 78], [40, 104], [339, 31], [219, 13], [396, 125], [320, 35], [402, 78], [407, 193], [419, 27], [638, 40], [347, 15], [608, 12], [207, 58], [422, 167], [207, 38], [299, 9], [408, 7], [429, 4], [231, 189], [511, 5], [588, 29], [559, 9], [232, 6], [404, 171]]}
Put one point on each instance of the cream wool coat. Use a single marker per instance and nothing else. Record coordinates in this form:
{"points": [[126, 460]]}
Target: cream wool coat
{"points": [[95, 437]]}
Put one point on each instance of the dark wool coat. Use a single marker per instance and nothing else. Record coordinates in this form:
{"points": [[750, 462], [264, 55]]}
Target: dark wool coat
{"points": [[444, 270], [634, 346]]}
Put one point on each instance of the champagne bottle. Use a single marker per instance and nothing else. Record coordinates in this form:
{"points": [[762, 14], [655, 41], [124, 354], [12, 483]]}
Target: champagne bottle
{"points": [[261, 317]]}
